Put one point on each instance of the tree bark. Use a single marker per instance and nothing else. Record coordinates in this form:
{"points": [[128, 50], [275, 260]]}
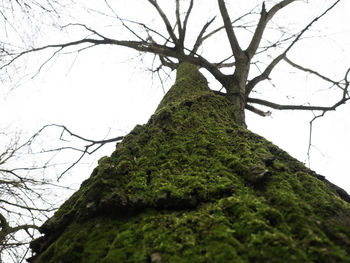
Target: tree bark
{"points": [[238, 103], [235, 86]]}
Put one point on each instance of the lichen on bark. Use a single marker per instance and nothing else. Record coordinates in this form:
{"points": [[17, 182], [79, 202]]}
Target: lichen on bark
{"points": [[192, 186]]}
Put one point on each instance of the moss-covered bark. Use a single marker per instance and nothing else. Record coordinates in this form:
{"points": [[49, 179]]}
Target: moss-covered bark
{"points": [[192, 186]]}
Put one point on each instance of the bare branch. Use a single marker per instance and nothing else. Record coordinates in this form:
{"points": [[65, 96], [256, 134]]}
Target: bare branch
{"points": [[311, 71], [186, 19], [144, 26], [23, 227], [92, 143], [222, 62], [178, 19], [165, 20], [257, 111], [123, 21], [222, 27], [236, 49], [265, 17], [141, 46], [345, 96], [26, 207], [275, 44], [6, 229], [168, 63], [200, 38], [276, 106], [225, 65], [65, 129], [271, 66], [252, 83], [23, 201]]}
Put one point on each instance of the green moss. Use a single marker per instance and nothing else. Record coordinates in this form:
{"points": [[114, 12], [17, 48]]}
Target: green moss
{"points": [[190, 83], [239, 228], [192, 186]]}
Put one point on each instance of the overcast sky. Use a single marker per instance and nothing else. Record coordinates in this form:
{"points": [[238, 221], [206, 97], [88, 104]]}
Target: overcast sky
{"points": [[102, 93]]}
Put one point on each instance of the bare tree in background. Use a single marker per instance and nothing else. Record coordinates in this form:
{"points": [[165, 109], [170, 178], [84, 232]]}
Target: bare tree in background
{"points": [[25, 200], [24, 187], [26, 183], [29, 187], [22, 22]]}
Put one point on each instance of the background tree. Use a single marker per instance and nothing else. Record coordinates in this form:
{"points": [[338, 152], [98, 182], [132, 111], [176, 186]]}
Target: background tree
{"points": [[22, 22], [27, 184], [29, 181], [25, 200]]}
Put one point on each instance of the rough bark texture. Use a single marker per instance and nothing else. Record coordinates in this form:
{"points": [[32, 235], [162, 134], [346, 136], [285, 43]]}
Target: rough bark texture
{"points": [[192, 186]]}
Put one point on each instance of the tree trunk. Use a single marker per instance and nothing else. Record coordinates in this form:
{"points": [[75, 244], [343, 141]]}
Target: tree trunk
{"points": [[238, 104], [193, 186], [235, 86]]}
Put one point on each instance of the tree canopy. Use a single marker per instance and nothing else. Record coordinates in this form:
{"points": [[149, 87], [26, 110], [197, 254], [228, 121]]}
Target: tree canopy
{"points": [[173, 45]]}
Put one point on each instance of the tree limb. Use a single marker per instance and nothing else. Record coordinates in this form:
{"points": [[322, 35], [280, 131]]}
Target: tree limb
{"points": [[265, 17], [26, 207], [222, 27], [178, 19], [186, 19], [92, 143], [200, 39], [182, 27], [236, 49], [257, 111], [252, 83], [297, 107], [165, 20], [311, 71], [6, 229], [271, 66]]}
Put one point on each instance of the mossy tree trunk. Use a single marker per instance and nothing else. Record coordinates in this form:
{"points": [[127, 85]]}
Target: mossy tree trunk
{"points": [[193, 186]]}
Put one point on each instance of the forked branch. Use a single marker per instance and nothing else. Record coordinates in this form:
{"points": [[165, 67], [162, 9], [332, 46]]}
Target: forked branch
{"points": [[265, 17], [165, 20], [90, 148], [272, 65]]}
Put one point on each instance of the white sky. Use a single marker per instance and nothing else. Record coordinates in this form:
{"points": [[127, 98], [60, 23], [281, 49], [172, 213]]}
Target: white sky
{"points": [[104, 93]]}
